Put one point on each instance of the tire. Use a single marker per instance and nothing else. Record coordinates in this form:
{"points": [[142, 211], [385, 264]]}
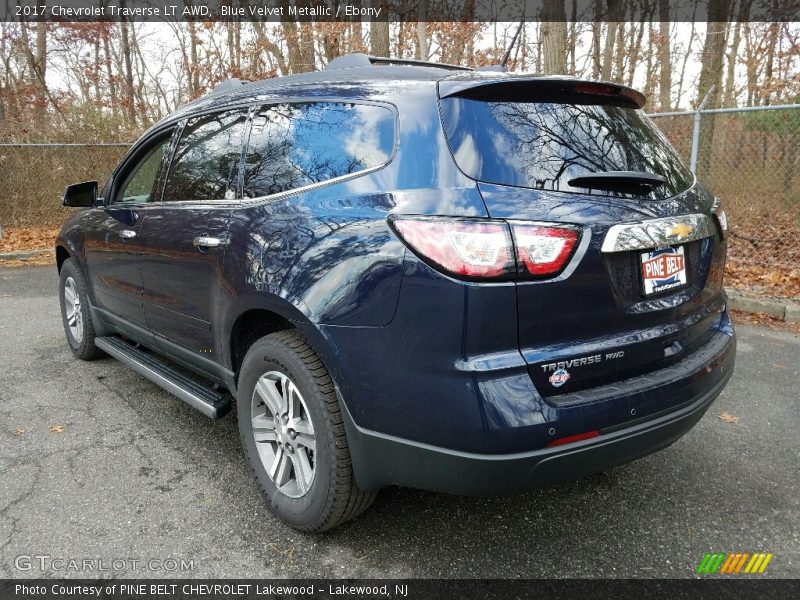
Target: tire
{"points": [[328, 496], [77, 319]]}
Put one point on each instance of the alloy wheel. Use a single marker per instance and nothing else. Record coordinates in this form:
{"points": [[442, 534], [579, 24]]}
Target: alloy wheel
{"points": [[284, 433], [72, 305]]}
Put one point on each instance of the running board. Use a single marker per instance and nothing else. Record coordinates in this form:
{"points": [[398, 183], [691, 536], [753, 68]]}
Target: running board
{"points": [[195, 394]]}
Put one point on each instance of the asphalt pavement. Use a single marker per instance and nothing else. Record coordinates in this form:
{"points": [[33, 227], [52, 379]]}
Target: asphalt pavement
{"points": [[98, 464]]}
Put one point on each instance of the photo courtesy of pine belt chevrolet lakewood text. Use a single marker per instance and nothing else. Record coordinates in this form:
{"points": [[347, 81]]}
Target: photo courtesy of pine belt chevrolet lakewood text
{"points": [[408, 273]]}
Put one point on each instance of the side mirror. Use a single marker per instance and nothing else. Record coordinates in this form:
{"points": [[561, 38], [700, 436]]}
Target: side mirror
{"points": [[80, 194]]}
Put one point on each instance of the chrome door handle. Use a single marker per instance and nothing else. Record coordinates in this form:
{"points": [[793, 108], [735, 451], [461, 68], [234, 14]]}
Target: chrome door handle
{"points": [[127, 234], [202, 241]]}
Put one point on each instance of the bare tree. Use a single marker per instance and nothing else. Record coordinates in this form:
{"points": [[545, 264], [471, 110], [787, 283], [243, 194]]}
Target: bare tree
{"points": [[664, 56], [127, 77], [616, 12], [554, 37], [711, 72], [379, 32]]}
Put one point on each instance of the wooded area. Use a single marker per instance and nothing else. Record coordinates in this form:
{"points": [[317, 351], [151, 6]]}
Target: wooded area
{"points": [[106, 82], [114, 79]]}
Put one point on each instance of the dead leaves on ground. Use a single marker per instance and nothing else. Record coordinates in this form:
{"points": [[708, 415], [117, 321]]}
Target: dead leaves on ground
{"points": [[728, 418], [57, 428], [27, 238]]}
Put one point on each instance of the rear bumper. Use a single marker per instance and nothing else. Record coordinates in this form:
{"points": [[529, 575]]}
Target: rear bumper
{"points": [[380, 460]]}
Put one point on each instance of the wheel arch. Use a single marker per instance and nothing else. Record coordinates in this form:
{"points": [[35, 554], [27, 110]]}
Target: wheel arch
{"points": [[255, 317], [62, 254]]}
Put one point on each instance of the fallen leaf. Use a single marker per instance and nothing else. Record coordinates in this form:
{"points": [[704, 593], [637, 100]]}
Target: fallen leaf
{"points": [[57, 429], [19, 431], [728, 418]]}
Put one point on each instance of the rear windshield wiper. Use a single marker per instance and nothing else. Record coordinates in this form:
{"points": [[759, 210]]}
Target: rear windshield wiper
{"points": [[611, 180]]}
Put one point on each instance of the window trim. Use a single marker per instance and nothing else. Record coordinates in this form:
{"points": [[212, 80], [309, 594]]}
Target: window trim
{"points": [[251, 106], [135, 159]]}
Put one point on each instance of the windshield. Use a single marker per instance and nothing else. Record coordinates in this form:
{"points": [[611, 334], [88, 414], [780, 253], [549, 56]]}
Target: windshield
{"points": [[543, 145]]}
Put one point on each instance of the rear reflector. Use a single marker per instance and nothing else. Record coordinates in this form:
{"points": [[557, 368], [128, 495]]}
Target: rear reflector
{"points": [[484, 249], [570, 439]]}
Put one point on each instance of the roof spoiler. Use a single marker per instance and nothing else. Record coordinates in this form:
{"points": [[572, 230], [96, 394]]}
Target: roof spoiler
{"points": [[351, 61], [545, 85]]}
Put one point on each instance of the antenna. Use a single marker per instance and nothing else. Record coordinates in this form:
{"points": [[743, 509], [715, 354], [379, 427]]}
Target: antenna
{"points": [[507, 55]]}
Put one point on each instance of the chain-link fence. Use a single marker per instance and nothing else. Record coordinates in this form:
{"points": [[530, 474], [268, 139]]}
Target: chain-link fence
{"points": [[33, 177], [750, 158]]}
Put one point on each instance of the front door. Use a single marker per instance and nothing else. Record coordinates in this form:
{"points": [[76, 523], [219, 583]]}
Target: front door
{"points": [[184, 237], [112, 238]]}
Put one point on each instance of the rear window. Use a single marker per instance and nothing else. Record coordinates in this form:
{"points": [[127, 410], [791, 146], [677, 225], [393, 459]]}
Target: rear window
{"points": [[543, 145], [295, 145]]}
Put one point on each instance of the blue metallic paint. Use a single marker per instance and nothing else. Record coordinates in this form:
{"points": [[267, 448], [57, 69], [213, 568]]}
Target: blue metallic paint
{"points": [[415, 354]]}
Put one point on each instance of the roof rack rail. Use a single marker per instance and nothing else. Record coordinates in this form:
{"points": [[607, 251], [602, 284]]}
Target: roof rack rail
{"points": [[349, 61], [228, 85]]}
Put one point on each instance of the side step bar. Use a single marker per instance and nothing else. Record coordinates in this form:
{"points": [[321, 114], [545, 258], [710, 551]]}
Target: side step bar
{"points": [[207, 401]]}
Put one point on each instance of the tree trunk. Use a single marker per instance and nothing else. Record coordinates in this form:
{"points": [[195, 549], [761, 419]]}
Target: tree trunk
{"points": [[194, 67], [421, 51], [41, 67], [597, 31], [307, 46], [112, 84], [572, 43], [772, 41], [636, 46], [619, 52], [4, 83], [664, 57], [128, 74], [681, 77], [711, 76], [616, 8], [379, 33], [554, 37]]}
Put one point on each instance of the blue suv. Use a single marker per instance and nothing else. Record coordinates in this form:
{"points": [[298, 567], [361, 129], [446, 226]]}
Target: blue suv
{"points": [[409, 274]]}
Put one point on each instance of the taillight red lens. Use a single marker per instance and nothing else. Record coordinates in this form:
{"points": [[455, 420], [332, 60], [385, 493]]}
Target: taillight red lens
{"points": [[469, 247], [542, 250]]}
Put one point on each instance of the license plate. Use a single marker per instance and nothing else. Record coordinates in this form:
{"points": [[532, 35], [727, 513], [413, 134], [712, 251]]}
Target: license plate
{"points": [[663, 269]]}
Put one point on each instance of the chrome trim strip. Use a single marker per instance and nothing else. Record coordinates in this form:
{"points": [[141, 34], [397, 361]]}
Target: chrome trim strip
{"points": [[657, 233]]}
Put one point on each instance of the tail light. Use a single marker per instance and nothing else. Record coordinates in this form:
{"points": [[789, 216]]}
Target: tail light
{"points": [[481, 249], [544, 251], [470, 248]]}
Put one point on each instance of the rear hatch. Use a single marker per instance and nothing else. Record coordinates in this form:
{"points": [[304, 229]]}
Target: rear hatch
{"points": [[643, 287]]}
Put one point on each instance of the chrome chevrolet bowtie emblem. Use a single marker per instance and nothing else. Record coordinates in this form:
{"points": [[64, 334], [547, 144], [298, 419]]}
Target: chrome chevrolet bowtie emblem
{"points": [[679, 231]]}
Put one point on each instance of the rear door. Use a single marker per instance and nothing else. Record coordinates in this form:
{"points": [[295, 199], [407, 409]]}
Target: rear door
{"points": [[621, 307], [185, 235]]}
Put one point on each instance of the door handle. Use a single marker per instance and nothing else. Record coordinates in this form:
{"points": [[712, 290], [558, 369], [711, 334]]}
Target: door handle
{"points": [[202, 241], [127, 234]]}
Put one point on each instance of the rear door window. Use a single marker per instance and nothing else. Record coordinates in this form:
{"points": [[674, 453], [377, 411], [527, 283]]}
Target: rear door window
{"points": [[543, 145], [296, 145], [205, 165]]}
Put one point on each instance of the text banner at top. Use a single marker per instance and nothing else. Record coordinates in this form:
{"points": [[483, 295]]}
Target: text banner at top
{"points": [[300, 11]]}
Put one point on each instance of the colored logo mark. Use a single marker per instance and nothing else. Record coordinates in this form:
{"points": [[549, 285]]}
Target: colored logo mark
{"points": [[734, 562]]}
